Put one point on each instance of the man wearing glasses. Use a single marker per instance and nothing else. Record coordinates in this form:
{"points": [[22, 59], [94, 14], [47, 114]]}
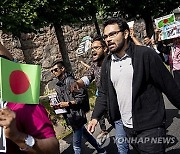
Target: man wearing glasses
{"points": [[99, 51], [132, 81]]}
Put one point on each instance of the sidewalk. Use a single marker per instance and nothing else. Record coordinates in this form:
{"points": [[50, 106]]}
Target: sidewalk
{"points": [[108, 144], [172, 122]]}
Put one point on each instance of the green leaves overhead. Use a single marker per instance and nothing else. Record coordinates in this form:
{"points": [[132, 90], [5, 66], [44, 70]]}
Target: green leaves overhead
{"points": [[30, 15], [138, 8], [19, 15], [67, 12]]}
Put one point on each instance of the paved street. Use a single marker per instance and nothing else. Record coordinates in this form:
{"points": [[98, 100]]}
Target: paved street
{"points": [[173, 127], [173, 131]]}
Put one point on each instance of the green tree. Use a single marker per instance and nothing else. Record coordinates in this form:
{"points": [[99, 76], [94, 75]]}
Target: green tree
{"points": [[135, 9], [29, 16], [20, 16], [67, 12], [60, 13]]}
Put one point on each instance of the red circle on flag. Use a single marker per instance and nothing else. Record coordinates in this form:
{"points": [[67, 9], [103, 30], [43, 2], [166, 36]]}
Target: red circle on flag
{"points": [[19, 82], [165, 21]]}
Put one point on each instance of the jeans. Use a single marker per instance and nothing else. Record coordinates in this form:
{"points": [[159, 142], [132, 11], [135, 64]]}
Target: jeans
{"points": [[77, 138], [148, 141], [120, 134]]}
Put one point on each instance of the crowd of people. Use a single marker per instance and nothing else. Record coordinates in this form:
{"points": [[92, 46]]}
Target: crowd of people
{"points": [[133, 78], [130, 78]]}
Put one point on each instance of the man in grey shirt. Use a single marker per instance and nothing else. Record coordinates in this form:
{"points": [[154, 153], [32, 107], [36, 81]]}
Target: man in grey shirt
{"points": [[132, 81], [99, 51]]}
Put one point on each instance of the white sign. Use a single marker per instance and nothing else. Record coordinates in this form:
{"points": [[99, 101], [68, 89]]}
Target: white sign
{"points": [[131, 23], [171, 31], [165, 20], [54, 100], [84, 46], [170, 28]]}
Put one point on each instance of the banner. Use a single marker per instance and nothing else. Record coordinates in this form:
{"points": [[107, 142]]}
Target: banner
{"points": [[165, 20], [171, 31], [84, 46], [170, 28], [19, 83], [130, 24]]}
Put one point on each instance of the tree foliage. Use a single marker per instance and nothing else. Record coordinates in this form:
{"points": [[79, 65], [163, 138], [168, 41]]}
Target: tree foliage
{"points": [[30, 15], [67, 12], [20, 16], [135, 9]]}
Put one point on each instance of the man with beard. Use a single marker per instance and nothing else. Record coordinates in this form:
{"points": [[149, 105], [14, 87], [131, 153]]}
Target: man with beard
{"points": [[99, 51], [132, 81]]}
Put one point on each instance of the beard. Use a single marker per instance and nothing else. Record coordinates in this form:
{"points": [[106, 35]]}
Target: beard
{"points": [[119, 47], [99, 58]]}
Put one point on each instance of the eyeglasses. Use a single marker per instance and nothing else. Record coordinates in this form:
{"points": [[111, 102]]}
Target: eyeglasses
{"points": [[54, 70], [111, 35], [96, 48]]}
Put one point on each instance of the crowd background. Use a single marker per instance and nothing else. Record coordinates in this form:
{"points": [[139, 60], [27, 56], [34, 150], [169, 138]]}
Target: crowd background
{"points": [[42, 48]]}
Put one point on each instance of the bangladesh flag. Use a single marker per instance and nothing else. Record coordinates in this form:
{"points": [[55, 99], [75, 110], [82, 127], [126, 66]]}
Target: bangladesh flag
{"points": [[19, 83], [166, 21]]}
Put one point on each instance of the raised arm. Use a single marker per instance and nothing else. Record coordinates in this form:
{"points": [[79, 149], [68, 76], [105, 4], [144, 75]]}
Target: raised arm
{"points": [[133, 37]]}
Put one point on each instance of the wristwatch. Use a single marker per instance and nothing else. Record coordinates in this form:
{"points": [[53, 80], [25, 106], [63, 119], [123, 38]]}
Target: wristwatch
{"points": [[29, 141]]}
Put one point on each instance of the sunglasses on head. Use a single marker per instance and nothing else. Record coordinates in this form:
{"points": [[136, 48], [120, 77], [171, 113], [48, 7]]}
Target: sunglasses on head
{"points": [[55, 70]]}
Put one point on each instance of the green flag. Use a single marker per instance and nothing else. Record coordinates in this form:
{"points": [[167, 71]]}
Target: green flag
{"points": [[166, 21], [19, 83]]}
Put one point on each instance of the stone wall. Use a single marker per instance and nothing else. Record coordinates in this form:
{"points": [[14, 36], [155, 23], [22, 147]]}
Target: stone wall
{"points": [[43, 49]]}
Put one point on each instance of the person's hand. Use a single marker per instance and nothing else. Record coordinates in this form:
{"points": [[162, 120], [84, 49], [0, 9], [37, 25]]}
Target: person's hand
{"points": [[8, 122], [51, 104], [63, 104], [91, 126], [160, 36], [132, 32], [152, 42], [157, 31]]}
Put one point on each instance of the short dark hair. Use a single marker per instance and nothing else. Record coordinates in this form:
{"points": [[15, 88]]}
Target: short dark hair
{"points": [[99, 38], [58, 62], [121, 23]]}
